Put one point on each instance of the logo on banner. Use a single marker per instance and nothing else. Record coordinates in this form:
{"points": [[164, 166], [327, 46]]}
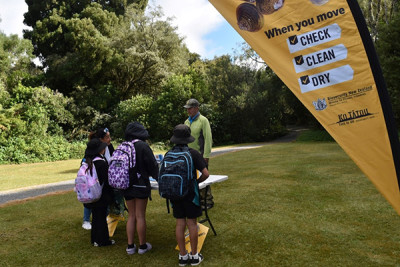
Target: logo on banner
{"points": [[353, 115], [320, 104]]}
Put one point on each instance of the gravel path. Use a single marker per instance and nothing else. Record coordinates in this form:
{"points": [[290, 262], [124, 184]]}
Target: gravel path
{"points": [[40, 190]]}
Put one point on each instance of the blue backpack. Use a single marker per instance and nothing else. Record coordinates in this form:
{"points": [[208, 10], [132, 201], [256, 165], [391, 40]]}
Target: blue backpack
{"points": [[176, 178]]}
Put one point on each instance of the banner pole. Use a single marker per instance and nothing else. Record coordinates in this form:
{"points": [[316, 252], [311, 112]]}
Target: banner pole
{"points": [[380, 84]]}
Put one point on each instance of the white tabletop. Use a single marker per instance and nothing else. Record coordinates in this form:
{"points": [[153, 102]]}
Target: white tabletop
{"points": [[212, 179]]}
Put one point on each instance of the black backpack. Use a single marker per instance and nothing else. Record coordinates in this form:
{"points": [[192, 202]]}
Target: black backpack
{"points": [[176, 178]]}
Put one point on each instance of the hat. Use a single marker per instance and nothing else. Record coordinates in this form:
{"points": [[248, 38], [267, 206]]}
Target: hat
{"points": [[94, 147], [191, 103], [182, 135], [136, 130]]}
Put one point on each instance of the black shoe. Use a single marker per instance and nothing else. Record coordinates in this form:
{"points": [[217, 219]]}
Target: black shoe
{"points": [[196, 259], [183, 261]]}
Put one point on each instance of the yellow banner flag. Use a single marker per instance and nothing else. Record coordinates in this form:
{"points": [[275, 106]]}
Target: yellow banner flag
{"points": [[202, 233], [322, 51]]}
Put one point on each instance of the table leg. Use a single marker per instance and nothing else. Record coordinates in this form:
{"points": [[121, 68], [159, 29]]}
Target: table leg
{"points": [[207, 219]]}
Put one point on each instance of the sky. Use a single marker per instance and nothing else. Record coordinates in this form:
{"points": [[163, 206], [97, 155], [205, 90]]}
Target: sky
{"points": [[206, 32]]}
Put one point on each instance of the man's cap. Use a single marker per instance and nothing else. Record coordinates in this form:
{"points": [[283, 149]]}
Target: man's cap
{"points": [[191, 103], [182, 135]]}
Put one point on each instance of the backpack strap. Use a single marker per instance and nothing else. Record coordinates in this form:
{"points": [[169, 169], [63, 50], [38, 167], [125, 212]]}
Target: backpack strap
{"points": [[97, 159], [133, 144]]}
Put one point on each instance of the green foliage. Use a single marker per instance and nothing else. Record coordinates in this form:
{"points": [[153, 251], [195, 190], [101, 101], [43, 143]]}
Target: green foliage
{"points": [[314, 136], [96, 47], [388, 47], [15, 61], [135, 109], [35, 149], [48, 17], [32, 122], [146, 50], [376, 12], [247, 104]]}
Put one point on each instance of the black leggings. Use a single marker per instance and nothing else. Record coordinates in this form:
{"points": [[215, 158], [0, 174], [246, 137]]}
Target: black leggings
{"points": [[99, 232]]}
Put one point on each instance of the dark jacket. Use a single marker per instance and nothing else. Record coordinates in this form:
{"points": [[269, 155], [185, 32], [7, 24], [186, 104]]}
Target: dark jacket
{"points": [[146, 164]]}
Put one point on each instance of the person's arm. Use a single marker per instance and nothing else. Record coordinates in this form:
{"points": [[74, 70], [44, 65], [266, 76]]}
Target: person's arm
{"points": [[204, 175], [199, 164], [150, 162], [207, 139], [102, 170]]}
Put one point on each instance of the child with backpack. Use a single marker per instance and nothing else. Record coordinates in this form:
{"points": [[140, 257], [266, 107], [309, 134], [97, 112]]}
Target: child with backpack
{"points": [[186, 206], [142, 165], [104, 135], [94, 158]]}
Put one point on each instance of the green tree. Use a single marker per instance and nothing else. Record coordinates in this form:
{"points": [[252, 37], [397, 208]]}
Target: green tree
{"points": [[114, 56], [15, 60], [376, 12], [229, 84], [167, 110], [74, 47], [388, 48], [146, 50], [48, 17], [136, 108]]}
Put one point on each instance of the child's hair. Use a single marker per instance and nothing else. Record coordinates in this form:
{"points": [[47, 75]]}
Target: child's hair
{"points": [[100, 133], [89, 162]]}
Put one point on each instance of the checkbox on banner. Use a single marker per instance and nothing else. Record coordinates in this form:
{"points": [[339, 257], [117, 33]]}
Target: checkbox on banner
{"points": [[305, 80], [299, 60], [293, 40]]}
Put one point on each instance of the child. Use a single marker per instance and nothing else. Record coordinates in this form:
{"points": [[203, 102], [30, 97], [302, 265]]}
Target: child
{"points": [[137, 197], [187, 210], [104, 135], [94, 157]]}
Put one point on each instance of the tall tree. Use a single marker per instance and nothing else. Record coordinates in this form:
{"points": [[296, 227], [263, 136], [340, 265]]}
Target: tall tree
{"points": [[48, 17], [378, 11], [15, 60], [388, 48], [146, 50], [106, 54]]}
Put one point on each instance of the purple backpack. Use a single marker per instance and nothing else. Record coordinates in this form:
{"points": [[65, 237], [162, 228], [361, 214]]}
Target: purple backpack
{"points": [[87, 185], [122, 162]]}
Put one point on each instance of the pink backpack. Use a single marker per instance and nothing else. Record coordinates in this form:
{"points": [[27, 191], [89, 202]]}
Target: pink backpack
{"points": [[87, 186], [123, 160]]}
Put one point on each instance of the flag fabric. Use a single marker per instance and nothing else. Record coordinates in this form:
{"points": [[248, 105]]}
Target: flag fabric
{"points": [[202, 234], [322, 51]]}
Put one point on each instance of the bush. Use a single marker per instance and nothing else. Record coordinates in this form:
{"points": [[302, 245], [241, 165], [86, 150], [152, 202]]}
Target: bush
{"points": [[315, 136], [135, 109], [50, 148]]}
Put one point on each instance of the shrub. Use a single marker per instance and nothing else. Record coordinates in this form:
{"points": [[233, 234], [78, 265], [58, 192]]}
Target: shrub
{"points": [[135, 109], [51, 148]]}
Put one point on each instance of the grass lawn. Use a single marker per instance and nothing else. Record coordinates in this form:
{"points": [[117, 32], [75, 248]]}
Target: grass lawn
{"points": [[37, 173], [292, 204]]}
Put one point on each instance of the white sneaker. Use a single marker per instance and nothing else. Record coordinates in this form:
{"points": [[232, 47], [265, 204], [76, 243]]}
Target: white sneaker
{"points": [[131, 251], [87, 225], [142, 251]]}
